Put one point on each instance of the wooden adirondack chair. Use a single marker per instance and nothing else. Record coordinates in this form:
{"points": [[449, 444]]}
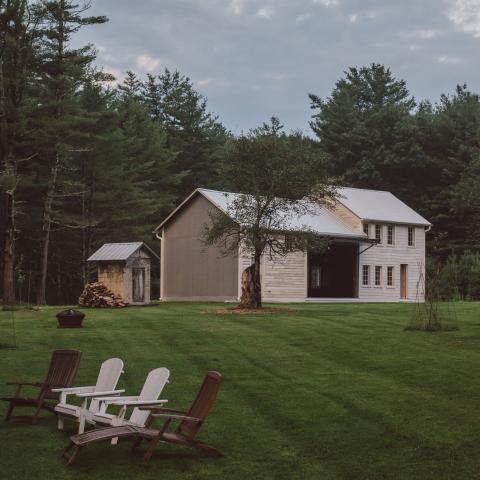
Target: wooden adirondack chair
{"points": [[152, 388], [107, 380], [61, 373], [185, 434]]}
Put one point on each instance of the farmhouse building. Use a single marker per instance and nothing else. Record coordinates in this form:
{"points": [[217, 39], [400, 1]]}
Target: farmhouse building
{"points": [[376, 253]]}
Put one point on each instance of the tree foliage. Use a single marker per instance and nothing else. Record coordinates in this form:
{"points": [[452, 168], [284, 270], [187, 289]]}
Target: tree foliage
{"points": [[281, 177]]}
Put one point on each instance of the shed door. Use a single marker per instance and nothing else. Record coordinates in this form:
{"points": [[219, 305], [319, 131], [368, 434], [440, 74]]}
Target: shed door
{"points": [[138, 287]]}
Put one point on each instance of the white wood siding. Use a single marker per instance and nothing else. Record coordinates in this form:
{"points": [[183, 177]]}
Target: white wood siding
{"points": [[284, 278], [347, 216], [387, 255]]}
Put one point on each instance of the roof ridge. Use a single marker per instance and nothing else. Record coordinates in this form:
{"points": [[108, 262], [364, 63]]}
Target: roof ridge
{"points": [[367, 189], [121, 243]]}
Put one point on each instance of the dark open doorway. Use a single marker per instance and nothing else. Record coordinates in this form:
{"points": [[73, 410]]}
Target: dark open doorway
{"points": [[334, 273]]}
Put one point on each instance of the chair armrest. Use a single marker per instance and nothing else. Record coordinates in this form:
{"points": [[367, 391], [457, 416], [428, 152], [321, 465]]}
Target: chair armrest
{"points": [[178, 417], [31, 384], [99, 394], [135, 403], [74, 389], [111, 398], [164, 410]]}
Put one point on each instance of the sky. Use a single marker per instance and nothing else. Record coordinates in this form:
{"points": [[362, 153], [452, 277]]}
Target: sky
{"points": [[254, 59]]}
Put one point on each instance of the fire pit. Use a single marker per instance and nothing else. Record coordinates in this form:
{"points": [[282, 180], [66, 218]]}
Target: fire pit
{"points": [[70, 319]]}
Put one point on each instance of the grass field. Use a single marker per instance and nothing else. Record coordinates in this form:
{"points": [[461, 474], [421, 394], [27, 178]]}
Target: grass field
{"points": [[323, 392]]}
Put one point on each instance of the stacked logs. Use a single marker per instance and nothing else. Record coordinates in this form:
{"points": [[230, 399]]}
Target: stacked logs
{"points": [[97, 295]]}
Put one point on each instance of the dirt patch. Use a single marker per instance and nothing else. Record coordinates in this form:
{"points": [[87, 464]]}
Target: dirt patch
{"points": [[249, 311]]}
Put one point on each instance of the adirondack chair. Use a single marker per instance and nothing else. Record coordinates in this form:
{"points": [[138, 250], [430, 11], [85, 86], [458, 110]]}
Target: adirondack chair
{"points": [[185, 434], [152, 388], [61, 373], [107, 380]]}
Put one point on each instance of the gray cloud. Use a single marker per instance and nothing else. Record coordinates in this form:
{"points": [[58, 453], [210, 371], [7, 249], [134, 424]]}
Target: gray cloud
{"points": [[257, 58]]}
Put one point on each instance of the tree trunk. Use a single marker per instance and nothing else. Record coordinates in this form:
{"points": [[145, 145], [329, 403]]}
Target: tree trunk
{"points": [[251, 287], [52, 186], [47, 215], [8, 200], [8, 250]]}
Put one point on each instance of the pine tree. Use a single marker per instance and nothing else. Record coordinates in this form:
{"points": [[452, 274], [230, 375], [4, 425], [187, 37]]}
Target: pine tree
{"points": [[19, 31], [192, 131], [60, 118], [368, 129]]}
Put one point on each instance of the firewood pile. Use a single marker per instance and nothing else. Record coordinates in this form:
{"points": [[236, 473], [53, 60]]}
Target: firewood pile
{"points": [[97, 295]]}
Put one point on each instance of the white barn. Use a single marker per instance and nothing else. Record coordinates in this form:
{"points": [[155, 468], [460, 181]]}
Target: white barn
{"points": [[376, 254]]}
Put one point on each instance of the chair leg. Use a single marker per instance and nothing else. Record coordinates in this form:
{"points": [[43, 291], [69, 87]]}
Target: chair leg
{"points": [[81, 424], [71, 456], [36, 414], [151, 449], [9, 411], [136, 443], [207, 449], [60, 423]]}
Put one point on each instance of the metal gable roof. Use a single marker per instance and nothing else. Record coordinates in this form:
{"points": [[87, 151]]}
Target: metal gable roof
{"points": [[378, 205], [118, 251], [320, 220]]}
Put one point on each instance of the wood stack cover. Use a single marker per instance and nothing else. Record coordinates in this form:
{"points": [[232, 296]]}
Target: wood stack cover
{"points": [[97, 295]]}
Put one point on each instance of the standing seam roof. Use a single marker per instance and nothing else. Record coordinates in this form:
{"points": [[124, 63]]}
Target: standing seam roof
{"points": [[115, 251]]}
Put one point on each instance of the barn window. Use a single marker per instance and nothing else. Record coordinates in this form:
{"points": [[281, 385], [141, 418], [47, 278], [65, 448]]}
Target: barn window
{"points": [[316, 276], [378, 233], [366, 275], [390, 276], [289, 243], [411, 237], [390, 235], [366, 229], [378, 276]]}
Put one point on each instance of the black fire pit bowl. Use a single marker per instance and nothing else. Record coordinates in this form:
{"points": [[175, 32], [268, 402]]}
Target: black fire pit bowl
{"points": [[70, 319]]}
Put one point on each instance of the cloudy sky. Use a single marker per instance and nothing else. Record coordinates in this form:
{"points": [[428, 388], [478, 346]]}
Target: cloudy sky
{"points": [[256, 58]]}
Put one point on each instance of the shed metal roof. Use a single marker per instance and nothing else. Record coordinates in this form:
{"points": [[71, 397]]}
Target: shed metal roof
{"points": [[319, 220], [118, 251], [378, 205]]}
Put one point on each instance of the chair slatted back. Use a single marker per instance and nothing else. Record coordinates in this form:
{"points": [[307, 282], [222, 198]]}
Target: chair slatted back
{"points": [[107, 379], [62, 370], [152, 388], [202, 404]]}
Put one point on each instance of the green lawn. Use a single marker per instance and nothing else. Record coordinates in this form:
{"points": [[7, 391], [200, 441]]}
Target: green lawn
{"points": [[325, 392]]}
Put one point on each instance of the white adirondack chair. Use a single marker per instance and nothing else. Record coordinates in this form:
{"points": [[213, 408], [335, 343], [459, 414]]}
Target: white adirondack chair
{"points": [[107, 380], [152, 388]]}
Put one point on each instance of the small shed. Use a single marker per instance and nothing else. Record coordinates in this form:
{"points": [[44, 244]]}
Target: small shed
{"points": [[125, 269]]}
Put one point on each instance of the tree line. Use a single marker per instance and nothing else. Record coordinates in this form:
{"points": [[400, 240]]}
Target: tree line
{"points": [[84, 160]]}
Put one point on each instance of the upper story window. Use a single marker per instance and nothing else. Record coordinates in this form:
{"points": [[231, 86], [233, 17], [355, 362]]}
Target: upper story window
{"points": [[389, 276], [366, 229], [378, 276], [378, 233], [411, 236], [289, 243], [366, 275], [390, 235]]}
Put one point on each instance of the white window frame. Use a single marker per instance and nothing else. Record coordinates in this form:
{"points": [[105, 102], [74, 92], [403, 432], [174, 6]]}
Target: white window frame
{"points": [[392, 228], [366, 229], [379, 227], [411, 229], [288, 242], [378, 268], [366, 268], [393, 276]]}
